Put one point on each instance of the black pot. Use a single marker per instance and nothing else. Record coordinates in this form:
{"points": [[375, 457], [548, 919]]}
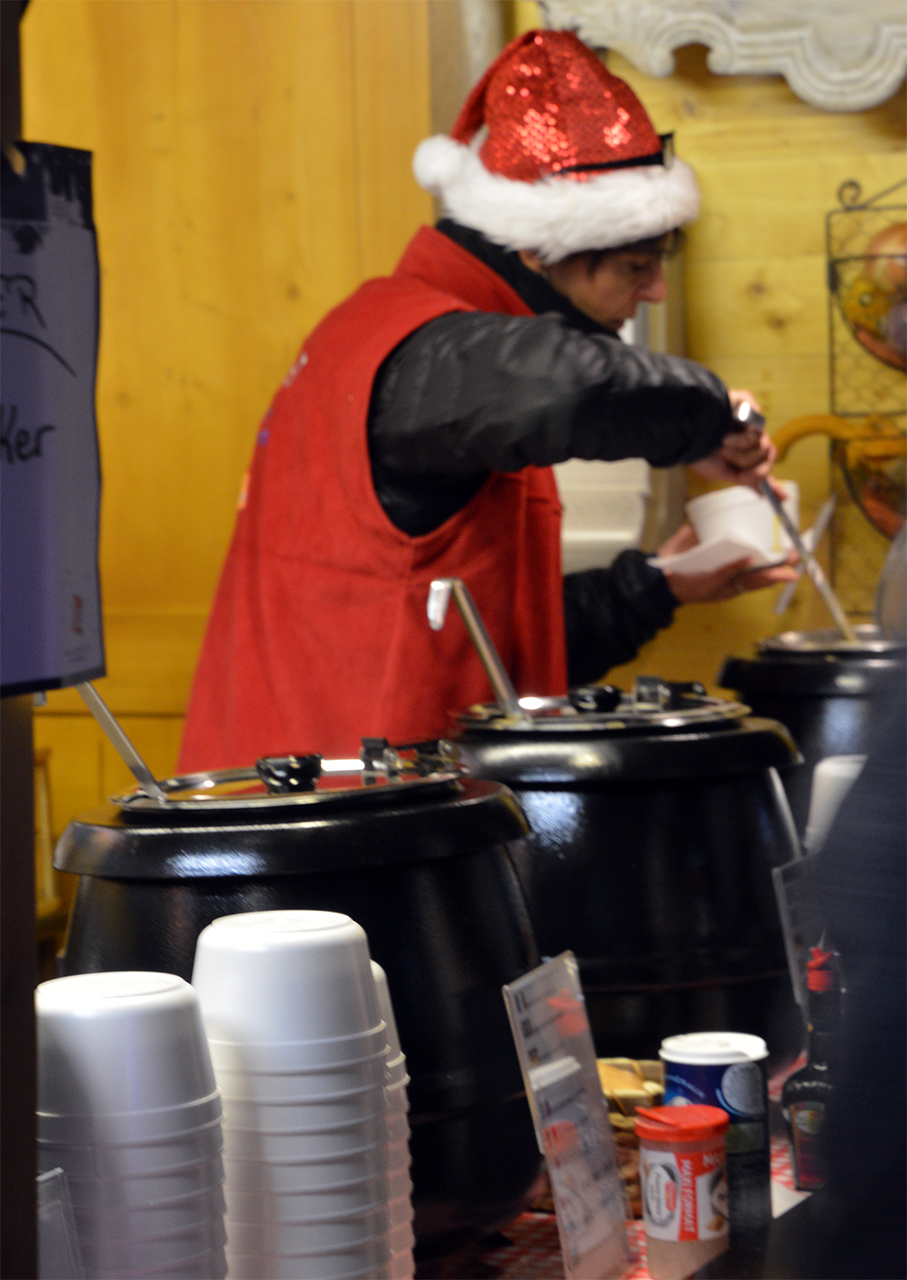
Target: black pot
{"points": [[655, 826], [424, 864], [823, 688]]}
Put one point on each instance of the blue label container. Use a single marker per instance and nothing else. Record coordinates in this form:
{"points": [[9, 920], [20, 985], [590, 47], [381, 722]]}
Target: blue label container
{"points": [[728, 1070]]}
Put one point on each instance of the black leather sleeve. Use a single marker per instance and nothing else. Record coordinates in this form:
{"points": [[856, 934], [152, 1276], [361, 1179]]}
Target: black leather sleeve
{"points": [[611, 613], [473, 392]]}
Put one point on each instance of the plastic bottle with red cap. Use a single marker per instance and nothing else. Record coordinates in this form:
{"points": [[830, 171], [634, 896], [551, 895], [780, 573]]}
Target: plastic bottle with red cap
{"points": [[684, 1187], [806, 1093]]}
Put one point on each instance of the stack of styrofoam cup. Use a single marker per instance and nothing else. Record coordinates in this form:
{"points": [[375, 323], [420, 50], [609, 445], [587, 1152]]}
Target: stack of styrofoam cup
{"points": [[128, 1108], [299, 1051], [399, 1186]]}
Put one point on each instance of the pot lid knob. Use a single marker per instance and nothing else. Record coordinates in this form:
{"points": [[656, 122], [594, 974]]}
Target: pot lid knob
{"points": [[378, 756], [654, 693], [596, 697], [283, 775]]}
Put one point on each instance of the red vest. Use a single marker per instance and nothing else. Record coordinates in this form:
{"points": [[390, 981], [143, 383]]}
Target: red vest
{"points": [[318, 634]]}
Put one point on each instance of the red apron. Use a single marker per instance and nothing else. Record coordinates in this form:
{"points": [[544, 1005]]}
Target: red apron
{"points": [[318, 635]]}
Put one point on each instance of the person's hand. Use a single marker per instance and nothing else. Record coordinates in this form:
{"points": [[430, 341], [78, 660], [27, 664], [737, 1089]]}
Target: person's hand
{"points": [[719, 584], [745, 457]]}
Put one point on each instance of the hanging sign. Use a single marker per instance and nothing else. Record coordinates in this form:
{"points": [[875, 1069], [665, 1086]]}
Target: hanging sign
{"points": [[547, 1013], [50, 487]]}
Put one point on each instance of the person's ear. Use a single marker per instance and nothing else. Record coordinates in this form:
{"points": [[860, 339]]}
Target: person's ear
{"points": [[531, 259]]}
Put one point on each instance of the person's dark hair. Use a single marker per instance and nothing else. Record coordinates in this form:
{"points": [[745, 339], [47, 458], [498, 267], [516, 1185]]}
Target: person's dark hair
{"points": [[665, 246]]}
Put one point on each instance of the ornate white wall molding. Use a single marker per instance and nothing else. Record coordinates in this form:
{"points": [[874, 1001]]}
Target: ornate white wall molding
{"points": [[840, 55]]}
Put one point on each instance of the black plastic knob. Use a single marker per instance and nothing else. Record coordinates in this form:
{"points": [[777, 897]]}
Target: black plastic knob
{"points": [[283, 775]]}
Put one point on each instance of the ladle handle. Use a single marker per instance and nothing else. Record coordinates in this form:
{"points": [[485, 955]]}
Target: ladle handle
{"points": [[106, 719], [744, 414], [438, 599], [815, 537], [810, 564]]}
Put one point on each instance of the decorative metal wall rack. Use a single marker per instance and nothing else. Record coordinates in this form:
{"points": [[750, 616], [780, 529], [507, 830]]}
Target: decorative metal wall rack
{"points": [[866, 246]]}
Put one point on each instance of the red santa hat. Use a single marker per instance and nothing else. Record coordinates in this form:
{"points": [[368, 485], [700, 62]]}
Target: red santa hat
{"points": [[552, 152]]}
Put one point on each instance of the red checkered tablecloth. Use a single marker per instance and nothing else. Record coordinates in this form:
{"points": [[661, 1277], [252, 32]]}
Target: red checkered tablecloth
{"points": [[529, 1248]]}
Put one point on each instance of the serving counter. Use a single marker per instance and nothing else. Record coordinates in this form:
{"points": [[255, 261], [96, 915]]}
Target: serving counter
{"points": [[529, 1248]]}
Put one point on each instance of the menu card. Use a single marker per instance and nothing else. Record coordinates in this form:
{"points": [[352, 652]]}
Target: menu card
{"points": [[50, 482], [548, 1015]]}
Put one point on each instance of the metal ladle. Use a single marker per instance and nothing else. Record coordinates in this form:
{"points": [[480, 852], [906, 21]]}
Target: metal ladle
{"points": [[439, 596], [745, 414], [127, 752]]}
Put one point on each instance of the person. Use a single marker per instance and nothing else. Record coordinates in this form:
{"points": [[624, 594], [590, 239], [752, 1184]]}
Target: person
{"points": [[414, 436]]}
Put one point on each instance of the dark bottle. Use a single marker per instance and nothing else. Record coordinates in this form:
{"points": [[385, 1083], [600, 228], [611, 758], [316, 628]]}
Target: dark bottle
{"points": [[806, 1092]]}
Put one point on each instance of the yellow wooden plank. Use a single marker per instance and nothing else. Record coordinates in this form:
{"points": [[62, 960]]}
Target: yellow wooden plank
{"points": [[252, 164], [74, 744], [156, 738], [757, 306], [391, 51], [225, 191], [703, 635], [150, 661], [754, 116], [786, 384], [777, 205]]}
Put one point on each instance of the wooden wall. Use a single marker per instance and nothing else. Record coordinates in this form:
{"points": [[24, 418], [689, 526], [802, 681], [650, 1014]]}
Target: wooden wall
{"points": [[251, 167], [769, 168]]}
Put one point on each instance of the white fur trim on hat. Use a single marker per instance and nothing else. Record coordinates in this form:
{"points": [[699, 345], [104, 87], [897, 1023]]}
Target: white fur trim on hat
{"points": [[556, 216]]}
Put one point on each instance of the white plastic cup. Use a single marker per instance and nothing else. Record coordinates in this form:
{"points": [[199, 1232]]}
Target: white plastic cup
{"points": [[397, 1156], [348, 1264], [397, 1129], [736, 512], [293, 1086], [832, 779], [266, 1175], [150, 1253], [399, 1183], [316, 1236], [356, 1106], [120, 1043], [210, 1265], [159, 1187], [743, 515], [114, 1222], [400, 1238], [399, 1211], [285, 976], [112, 1160], [395, 1072], [363, 1052], [398, 1098], [156, 1192], [304, 1144], [386, 1009], [296, 1206], [401, 1266], [353, 1241], [161, 1124], [399, 1163]]}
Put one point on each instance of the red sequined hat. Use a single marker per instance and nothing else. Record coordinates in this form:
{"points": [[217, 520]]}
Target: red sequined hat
{"points": [[552, 152]]}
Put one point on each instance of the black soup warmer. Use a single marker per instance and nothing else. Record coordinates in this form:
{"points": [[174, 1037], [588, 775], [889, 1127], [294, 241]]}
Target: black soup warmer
{"points": [[418, 855], [656, 818], [824, 688]]}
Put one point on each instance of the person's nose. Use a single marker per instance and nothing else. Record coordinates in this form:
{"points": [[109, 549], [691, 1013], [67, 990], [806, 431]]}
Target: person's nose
{"points": [[655, 288]]}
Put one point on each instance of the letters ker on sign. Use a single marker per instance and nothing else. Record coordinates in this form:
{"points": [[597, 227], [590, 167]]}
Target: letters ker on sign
{"points": [[19, 444]]}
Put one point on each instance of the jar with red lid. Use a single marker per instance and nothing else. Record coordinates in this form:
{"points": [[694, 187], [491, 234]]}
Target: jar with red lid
{"points": [[684, 1187]]}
